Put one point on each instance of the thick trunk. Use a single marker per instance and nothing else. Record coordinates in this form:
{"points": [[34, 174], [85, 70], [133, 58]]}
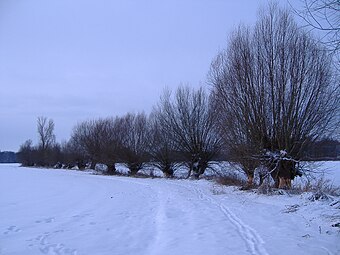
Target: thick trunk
{"points": [[111, 168], [168, 171], [250, 181], [198, 168], [81, 165], [275, 177], [134, 168], [286, 169], [261, 176], [202, 168], [189, 173], [285, 183], [133, 171], [196, 176], [169, 175]]}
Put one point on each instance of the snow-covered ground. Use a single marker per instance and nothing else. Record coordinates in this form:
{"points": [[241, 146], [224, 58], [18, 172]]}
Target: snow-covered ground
{"points": [[45, 211], [331, 171]]}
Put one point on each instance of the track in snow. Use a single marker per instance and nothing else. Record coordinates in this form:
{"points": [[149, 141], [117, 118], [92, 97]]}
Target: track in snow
{"points": [[64, 212], [69, 212], [252, 239]]}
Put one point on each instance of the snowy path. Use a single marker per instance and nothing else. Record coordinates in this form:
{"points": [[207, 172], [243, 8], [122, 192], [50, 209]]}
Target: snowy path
{"points": [[250, 236], [70, 212]]}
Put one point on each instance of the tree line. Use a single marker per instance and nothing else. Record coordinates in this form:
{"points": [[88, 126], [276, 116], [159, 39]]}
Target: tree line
{"points": [[180, 130], [8, 157], [274, 94]]}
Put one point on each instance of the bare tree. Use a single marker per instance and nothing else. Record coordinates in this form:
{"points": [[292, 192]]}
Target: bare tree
{"points": [[162, 147], [109, 143], [25, 153], [274, 91], [324, 16], [74, 154], [98, 141], [85, 139], [188, 118], [134, 135], [46, 135], [46, 141]]}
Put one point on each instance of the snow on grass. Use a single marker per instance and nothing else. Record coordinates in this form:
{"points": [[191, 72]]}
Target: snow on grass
{"points": [[46, 211]]}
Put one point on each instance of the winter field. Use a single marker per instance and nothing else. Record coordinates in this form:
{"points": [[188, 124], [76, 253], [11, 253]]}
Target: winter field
{"points": [[47, 211]]}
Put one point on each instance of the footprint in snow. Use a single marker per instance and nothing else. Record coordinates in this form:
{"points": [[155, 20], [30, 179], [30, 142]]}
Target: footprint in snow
{"points": [[57, 249], [46, 247], [47, 220], [12, 229]]}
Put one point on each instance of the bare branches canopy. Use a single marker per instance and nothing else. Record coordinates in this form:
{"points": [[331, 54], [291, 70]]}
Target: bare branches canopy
{"points": [[188, 118], [274, 88], [323, 15], [45, 130]]}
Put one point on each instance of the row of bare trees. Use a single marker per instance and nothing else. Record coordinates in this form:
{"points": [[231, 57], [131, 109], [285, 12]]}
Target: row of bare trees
{"points": [[180, 130], [274, 93], [111, 140]]}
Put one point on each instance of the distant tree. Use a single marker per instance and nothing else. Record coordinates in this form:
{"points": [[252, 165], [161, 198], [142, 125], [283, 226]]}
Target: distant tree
{"points": [[84, 138], [274, 94], [98, 140], [46, 141], [45, 129], [324, 148], [25, 153], [109, 146], [134, 134], [188, 118], [8, 157], [73, 154]]}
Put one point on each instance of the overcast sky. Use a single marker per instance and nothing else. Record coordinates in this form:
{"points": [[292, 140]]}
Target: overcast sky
{"points": [[71, 60]]}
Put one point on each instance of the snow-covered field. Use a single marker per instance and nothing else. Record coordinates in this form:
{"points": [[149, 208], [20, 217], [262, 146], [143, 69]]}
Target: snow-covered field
{"points": [[44, 211]]}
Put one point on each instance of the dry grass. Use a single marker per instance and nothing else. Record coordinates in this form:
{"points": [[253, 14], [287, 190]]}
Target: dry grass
{"points": [[320, 187], [230, 180]]}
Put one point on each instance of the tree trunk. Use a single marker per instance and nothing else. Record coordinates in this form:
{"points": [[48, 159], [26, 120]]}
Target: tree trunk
{"points": [[275, 176], [111, 169], [81, 165], [168, 171], [134, 168], [285, 174], [250, 181], [261, 176], [189, 172], [285, 183]]}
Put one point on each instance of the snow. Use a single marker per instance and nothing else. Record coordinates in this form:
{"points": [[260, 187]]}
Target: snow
{"points": [[332, 171], [47, 211]]}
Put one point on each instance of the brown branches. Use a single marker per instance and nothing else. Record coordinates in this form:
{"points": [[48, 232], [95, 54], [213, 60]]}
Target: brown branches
{"points": [[273, 87]]}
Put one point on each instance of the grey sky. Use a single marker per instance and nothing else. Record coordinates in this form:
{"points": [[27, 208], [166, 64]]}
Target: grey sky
{"points": [[71, 60]]}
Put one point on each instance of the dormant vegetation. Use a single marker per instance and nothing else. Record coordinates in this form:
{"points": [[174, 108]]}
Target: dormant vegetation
{"points": [[273, 95]]}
